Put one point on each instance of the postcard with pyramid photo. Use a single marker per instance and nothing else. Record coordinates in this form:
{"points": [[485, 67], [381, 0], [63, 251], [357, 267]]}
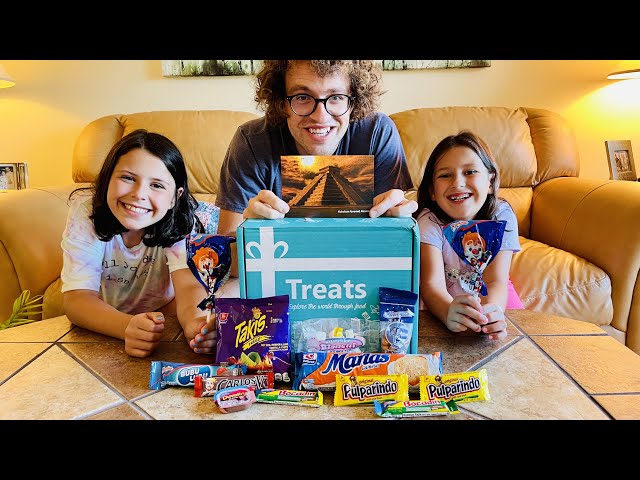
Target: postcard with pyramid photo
{"points": [[327, 185]]}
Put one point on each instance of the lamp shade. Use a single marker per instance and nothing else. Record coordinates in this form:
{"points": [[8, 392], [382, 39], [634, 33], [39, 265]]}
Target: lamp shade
{"points": [[624, 74], [5, 78]]}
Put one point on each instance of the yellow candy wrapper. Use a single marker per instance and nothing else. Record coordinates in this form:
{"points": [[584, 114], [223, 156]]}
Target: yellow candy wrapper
{"points": [[461, 387], [364, 389]]}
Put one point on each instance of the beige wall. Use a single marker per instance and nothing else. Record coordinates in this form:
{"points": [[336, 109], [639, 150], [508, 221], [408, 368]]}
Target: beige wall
{"points": [[42, 115]]}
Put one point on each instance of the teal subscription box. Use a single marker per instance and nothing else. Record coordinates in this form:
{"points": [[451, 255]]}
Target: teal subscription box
{"points": [[329, 267]]}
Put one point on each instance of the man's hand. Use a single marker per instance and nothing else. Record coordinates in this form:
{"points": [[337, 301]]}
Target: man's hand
{"points": [[266, 205], [392, 203]]}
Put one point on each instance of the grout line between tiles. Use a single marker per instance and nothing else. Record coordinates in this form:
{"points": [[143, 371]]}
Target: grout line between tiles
{"points": [[92, 372], [99, 410], [125, 400], [614, 394], [142, 411], [27, 363], [474, 415], [564, 372], [496, 353]]}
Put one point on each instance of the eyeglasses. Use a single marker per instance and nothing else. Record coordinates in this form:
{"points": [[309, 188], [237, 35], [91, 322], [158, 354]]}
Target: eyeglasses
{"points": [[335, 105]]}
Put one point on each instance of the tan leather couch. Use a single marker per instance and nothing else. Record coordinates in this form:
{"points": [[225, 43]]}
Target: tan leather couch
{"points": [[580, 241]]}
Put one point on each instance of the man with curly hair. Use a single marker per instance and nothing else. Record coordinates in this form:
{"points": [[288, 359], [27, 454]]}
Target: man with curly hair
{"points": [[312, 107]]}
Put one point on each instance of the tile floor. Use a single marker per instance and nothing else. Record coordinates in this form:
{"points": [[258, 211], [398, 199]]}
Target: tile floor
{"points": [[547, 368]]}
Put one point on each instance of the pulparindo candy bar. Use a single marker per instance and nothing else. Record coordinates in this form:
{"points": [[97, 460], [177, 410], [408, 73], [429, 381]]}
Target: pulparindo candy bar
{"points": [[414, 408], [461, 387], [169, 374], [208, 386], [364, 389], [301, 398]]}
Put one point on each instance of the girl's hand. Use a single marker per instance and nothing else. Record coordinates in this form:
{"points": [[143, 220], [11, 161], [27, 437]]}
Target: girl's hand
{"points": [[496, 328], [465, 313], [205, 335], [143, 333]]}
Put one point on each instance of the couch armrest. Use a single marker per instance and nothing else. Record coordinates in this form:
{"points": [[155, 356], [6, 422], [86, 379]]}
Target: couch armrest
{"points": [[30, 233], [596, 220]]}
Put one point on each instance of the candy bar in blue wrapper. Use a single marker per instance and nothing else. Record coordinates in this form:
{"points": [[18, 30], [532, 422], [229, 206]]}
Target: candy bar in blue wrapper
{"points": [[477, 242], [209, 259]]}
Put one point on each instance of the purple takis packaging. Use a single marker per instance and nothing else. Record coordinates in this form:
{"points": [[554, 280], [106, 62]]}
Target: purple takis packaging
{"points": [[255, 333], [477, 242]]}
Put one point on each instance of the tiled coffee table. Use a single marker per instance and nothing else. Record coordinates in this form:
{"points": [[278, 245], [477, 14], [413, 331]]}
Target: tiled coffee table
{"points": [[547, 368]]}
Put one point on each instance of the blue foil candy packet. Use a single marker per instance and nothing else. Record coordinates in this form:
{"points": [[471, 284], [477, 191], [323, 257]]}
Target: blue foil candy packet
{"points": [[397, 315], [209, 259], [477, 242]]}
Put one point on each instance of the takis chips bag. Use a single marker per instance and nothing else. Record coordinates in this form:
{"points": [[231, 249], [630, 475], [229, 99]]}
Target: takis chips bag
{"points": [[477, 242], [255, 333]]}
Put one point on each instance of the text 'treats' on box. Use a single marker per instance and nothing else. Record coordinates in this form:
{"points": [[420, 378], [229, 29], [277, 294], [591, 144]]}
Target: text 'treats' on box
{"points": [[329, 267]]}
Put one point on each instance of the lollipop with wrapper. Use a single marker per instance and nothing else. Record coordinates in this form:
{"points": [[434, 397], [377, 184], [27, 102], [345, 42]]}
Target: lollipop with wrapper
{"points": [[209, 259], [477, 242]]}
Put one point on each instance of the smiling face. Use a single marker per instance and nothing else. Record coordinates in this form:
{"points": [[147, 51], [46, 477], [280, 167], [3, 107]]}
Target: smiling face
{"points": [[473, 247], [141, 191], [461, 183], [318, 133]]}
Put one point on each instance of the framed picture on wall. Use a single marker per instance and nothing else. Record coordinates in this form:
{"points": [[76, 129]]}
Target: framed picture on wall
{"points": [[8, 176], [621, 164], [23, 175]]}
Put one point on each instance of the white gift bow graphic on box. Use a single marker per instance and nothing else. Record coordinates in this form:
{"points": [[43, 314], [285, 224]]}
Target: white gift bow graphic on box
{"points": [[268, 264]]}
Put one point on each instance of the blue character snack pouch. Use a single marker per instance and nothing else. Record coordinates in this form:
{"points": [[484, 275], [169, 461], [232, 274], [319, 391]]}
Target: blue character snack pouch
{"points": [[477, 242], [255, 333], [209, 259], [397, 313]]}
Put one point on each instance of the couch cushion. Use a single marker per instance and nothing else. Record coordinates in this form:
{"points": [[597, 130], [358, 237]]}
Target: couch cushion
{"points": [[201, 135], [505, 130], [52, 300], [520, 200], [554, 281], [554, 143]]}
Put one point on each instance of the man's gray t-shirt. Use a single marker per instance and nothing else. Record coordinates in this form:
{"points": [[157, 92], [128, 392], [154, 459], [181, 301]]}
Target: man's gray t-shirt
{"points": [[252, 162]]}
